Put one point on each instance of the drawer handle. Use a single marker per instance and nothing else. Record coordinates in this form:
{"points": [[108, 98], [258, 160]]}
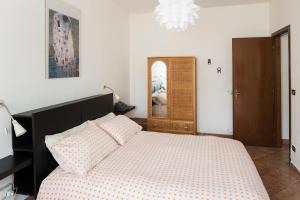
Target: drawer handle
{"points": [[186, 127]]}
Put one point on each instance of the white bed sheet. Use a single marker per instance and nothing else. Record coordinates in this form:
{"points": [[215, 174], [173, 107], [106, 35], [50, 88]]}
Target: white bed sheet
{"points": [[156, 166]]}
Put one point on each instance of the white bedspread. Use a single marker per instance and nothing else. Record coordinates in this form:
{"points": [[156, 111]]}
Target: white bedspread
{"points": [[155, 166]]}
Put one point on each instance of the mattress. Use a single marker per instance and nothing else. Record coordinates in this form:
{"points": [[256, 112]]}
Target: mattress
{"points": [[156, 166]]}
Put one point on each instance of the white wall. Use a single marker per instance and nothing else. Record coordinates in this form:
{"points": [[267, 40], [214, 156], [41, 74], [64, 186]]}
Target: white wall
{"points": [[283, 13], [284, 40], [211, 38], [105, 33]]}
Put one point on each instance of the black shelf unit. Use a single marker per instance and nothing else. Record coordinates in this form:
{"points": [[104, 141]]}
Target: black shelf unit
{"points": [[47, 121], [12, 164]]}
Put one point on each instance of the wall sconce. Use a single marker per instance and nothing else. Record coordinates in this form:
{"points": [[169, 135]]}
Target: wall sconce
{"points": [[19, 130], [117, 97]]}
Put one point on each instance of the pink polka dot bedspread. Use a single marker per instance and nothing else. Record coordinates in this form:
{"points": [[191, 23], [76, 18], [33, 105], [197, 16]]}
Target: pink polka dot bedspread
{"points": [[156, 166]]}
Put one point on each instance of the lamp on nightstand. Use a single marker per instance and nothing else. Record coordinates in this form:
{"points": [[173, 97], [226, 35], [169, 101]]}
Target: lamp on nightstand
{"points": [[19, 130], [120, 108], [117, 97]]}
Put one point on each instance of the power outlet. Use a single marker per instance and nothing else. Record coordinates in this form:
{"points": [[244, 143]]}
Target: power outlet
{"points": [[294, 148]]}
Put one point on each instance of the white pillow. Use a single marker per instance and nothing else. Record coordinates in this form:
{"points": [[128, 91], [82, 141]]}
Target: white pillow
{"points": [[104, 118], [51, 140], [121, 128], [82, 151]]}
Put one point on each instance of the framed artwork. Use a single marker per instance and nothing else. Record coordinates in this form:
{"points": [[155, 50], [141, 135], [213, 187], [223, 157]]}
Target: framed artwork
{"points": [[62, 40]]}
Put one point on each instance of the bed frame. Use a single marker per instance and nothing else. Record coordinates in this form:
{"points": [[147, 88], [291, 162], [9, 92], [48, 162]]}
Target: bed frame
{"points": [[48, 121]]}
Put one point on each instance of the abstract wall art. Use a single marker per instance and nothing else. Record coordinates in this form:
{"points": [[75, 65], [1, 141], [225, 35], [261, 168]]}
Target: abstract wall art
{"points": [[62, 40]]}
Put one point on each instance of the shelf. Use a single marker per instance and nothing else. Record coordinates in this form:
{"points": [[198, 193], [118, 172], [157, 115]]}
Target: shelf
{"points": [[23, 150], [12, 164]]}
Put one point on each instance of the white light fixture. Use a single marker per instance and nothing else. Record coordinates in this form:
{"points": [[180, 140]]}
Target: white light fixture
{"points": [[177, 15], [117, 97], [19, 130]]}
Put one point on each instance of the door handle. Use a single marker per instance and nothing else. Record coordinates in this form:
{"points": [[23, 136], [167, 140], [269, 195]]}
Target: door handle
{"points": [[236, 94]]}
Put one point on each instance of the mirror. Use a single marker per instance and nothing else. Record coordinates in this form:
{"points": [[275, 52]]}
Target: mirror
{"points": [[159, 89]]}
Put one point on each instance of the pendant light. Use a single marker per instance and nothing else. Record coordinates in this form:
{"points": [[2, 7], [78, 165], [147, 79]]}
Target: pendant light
{"points": [[177, 15]]}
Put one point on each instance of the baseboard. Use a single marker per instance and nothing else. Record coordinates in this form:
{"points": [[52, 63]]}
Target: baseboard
{"points": [[295, 168], [295, 161], [215, 134], [285, 142]]}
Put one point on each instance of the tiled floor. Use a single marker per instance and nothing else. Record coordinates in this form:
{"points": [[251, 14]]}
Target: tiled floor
{"points": [[281, 180]]}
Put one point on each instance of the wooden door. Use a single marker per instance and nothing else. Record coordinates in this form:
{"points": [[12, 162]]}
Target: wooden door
{"points": [[253, 100]]}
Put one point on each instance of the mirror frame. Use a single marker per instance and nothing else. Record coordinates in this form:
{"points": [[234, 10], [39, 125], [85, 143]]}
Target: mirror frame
{"points": [[151, 61]]}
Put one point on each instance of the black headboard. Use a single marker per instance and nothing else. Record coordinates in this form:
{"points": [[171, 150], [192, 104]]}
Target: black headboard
{"points": [[49, 121]]}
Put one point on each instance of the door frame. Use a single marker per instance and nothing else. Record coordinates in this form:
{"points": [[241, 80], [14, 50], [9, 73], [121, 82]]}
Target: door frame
{"points": [[277, 82]]}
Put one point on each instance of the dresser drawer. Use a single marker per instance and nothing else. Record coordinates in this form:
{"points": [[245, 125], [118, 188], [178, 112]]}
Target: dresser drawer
{"points": [[158, 125], [183, 126]]}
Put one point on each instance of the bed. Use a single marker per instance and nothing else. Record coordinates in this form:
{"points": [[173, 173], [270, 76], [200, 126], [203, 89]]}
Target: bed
{"points": [[150, 165], [156, 166]]}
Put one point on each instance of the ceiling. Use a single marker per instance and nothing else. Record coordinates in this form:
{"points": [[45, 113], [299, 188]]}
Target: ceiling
{"points": [[141, 6]]}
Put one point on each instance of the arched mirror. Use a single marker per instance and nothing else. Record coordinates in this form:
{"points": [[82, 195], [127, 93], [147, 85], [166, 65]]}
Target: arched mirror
{"points": [[159, 89]]}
